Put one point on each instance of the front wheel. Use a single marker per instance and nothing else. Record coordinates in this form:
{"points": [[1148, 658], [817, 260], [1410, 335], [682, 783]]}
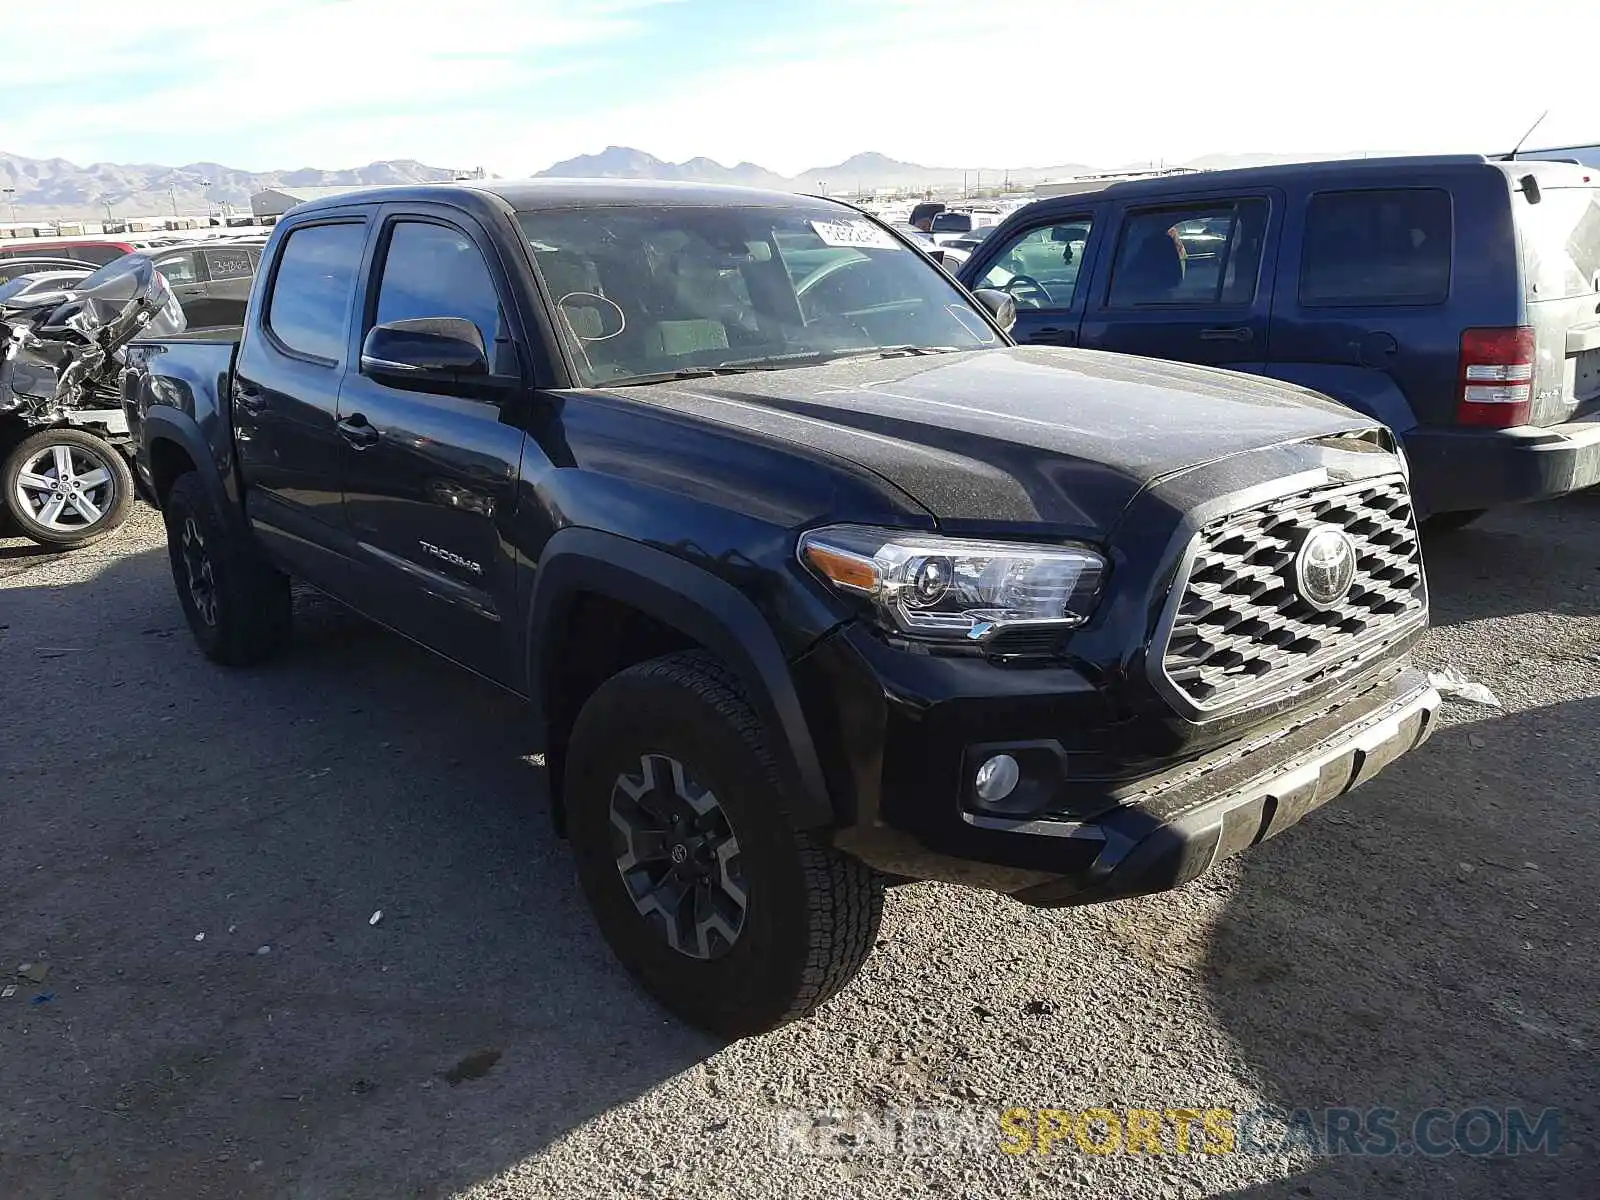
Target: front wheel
{"points": [[66, 488], [727, 913], [238, 607]]}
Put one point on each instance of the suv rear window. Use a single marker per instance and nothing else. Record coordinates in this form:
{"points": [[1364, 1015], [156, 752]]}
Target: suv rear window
{"points": [[1377, 248], [949, 222], [1560, 242]]}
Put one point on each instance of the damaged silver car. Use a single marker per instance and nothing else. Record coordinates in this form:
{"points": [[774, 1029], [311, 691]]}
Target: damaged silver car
{"points": [[63, 435]]}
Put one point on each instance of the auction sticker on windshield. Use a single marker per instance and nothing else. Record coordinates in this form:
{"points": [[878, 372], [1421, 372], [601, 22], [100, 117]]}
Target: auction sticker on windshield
{"points": [[855, 233]]}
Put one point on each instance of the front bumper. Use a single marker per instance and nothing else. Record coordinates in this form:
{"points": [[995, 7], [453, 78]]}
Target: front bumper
{"points": [[1457, 469], [1171, 827]]}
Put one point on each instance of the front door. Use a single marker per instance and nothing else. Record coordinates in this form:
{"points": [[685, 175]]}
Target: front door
{"points": [[1045, 268], [286, 395], [1190, 280], [185, 273], [430, 479]]}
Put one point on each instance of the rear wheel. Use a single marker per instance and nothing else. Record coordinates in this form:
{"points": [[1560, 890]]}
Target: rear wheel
{"points": [[707, 892], [238, 607], [66, 488]]}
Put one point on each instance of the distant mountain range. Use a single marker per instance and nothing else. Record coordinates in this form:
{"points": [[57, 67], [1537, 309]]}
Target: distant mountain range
{"points": [[48, 187], [54, 187]]}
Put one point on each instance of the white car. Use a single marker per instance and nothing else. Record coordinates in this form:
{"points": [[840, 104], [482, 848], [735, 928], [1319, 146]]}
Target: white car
{"points": [[950, 225], [39, 282]]}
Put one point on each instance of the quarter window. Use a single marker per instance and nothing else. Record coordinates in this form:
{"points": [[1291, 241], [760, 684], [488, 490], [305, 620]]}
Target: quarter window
{"points": [[310, 307], [1376, 248], [1194, 256], [1040, 267]]}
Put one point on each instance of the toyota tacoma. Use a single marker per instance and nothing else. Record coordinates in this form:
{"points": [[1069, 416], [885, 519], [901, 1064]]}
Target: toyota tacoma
{"points": [[813, 581]]}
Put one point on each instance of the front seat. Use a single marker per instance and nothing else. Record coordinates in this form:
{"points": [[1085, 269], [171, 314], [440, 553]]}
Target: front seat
{"points": [[1153, 269]]}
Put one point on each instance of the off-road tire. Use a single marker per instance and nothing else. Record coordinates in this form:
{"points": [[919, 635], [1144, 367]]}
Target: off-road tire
{"points": [[812, 912], [112, 514], [247, 613]]}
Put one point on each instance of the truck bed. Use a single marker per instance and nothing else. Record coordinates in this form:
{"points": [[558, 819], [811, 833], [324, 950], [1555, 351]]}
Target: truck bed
{"points": [[216, 334]]}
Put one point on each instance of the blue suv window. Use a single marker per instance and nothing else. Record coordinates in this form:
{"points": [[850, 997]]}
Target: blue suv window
{"points": [[1376, 248], [1192, 256]]}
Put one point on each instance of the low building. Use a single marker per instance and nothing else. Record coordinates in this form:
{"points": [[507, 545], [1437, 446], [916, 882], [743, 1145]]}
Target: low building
{"points": [[274, 202]]}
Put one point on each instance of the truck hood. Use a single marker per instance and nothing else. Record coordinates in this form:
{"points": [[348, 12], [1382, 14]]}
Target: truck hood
{"points": [[1022, 436]]}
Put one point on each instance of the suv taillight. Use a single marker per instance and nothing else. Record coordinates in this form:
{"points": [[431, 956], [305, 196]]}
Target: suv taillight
{"points": [[1496, 377]]}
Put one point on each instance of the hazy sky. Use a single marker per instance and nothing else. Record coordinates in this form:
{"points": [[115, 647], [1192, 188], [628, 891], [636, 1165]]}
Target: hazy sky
{"points": [[514, 85]]}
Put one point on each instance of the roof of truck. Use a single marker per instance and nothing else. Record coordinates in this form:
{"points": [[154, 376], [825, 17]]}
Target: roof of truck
{"points": [[526, 194]]}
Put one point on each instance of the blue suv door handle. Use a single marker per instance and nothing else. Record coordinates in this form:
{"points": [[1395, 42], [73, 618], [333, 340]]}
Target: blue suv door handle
{"points": [[1230, 333]]}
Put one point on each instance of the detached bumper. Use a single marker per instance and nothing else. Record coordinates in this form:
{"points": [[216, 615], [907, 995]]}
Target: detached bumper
{"points": [[1167, 830], [1163, 841], [1456, 469]]}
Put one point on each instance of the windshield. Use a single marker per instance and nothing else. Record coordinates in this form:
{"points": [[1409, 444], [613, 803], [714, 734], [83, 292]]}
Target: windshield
{"points": [[642, 292]]}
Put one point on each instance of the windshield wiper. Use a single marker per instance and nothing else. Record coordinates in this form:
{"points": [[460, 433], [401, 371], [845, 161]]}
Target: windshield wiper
{"points": [[683, 373], [779, 362]]}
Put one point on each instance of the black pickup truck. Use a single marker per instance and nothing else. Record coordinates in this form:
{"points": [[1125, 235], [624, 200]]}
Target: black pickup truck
{"points": [[813, 580]]}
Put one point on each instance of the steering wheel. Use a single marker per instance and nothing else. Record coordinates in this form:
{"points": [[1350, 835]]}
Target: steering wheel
{"points": [[1028, 283]]}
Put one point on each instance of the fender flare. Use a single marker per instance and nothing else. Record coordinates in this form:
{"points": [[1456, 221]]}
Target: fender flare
{"points": [[163, 423], [703, 607]]}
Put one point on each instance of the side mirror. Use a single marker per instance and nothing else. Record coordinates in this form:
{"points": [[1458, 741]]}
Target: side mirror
{"points": [[936, 253], [425, 349], [1000, 305]]}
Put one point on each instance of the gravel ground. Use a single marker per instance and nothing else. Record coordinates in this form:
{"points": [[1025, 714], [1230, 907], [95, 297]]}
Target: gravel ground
{"points": [[198, 856]]}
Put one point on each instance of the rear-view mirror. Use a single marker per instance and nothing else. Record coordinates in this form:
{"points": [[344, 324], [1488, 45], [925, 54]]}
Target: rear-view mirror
{"points": [[1000, 305], [435, 349]]}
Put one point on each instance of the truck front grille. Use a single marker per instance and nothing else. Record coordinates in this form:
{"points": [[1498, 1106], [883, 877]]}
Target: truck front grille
{"points": [[1242, 629]]}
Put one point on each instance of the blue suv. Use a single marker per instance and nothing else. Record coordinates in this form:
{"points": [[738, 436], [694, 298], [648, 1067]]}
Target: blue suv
{"points": [[1456, 299]]}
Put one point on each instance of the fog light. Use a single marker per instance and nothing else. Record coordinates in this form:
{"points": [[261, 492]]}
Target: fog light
{"points": [[996, 778]]}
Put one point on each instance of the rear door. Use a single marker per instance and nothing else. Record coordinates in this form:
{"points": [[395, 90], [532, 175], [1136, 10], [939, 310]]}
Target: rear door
{"points": [[1560, 238], [1376, 284], [286, 397], [1189, 279], [1045, 266], [429, 478]]}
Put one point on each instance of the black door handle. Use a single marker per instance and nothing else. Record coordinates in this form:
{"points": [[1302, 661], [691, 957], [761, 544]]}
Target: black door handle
{"points": [[1230, 333], [356, 430]]}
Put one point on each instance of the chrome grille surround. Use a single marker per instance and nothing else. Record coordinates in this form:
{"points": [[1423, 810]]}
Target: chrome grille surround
{"points": [[1236, 632]]}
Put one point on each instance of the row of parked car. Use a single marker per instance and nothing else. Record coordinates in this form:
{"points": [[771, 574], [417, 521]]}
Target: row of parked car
{"points": [[211, 279]]}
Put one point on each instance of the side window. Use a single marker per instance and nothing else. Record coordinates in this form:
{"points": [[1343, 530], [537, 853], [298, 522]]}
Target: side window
{"points": [[228, 264], [1193, 256], [1376, 248], [435, 271], [1040, 267], [178, 268], [310, 306]]}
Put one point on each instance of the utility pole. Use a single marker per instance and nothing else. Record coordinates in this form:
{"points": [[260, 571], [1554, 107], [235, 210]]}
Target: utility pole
{"points": [[106, 200], [10, 202]]}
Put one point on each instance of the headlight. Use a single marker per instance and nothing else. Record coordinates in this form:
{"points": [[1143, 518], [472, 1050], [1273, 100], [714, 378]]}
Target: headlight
{"points": [[956, 589]]}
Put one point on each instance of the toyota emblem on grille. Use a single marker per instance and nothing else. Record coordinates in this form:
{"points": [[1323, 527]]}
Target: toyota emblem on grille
{"points": [[1325, 567]]}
